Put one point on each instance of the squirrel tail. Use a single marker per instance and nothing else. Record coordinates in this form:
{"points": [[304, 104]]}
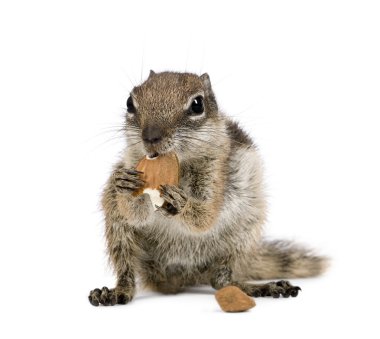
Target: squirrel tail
{"points": [[282, 260]]}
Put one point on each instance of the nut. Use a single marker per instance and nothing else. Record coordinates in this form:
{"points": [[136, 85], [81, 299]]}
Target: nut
{"points": [[161, 170], [233, 299]]}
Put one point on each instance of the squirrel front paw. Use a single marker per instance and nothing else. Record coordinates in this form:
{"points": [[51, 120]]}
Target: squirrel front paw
{"points": [[127, 180], [175, 200]]}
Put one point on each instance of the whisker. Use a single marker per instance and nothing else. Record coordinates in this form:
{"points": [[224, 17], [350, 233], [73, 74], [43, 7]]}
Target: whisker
{"points": [[214, 133], [131, 145], [142, 59], [129, 78], [197, 139]]}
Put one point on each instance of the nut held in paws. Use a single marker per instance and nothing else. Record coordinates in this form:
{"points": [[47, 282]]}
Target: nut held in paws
{"points": [[161, 170]]}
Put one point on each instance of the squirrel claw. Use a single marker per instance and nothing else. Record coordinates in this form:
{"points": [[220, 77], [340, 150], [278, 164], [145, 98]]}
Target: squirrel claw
{"points": [[175, 198]]}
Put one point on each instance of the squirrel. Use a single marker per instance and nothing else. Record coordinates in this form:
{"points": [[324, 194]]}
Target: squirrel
{"points": [[210, 231]]}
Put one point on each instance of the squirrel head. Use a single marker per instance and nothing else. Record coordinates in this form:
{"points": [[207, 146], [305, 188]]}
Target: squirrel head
{"points": [[172, 112]]}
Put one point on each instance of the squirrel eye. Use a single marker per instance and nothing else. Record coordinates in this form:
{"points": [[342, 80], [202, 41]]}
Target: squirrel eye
{"points": [[197, 105], [130, 106]]}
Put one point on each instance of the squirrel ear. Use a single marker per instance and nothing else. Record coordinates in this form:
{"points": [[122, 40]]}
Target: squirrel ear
{"points": [[151, 73], [206, 80]]}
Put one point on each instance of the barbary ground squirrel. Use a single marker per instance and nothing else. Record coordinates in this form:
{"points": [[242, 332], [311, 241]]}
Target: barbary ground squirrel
{"points": [[210, 229]]}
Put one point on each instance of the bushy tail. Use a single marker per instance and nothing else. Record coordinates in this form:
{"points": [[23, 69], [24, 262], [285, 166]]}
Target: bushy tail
{"points": [[282, 260]]}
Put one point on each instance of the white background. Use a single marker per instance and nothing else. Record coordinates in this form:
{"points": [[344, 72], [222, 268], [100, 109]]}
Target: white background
{"points": [[303, 77]]}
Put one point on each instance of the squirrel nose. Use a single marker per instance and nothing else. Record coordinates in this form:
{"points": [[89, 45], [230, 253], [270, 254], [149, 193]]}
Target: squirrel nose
{"points": [[152, 134]]}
